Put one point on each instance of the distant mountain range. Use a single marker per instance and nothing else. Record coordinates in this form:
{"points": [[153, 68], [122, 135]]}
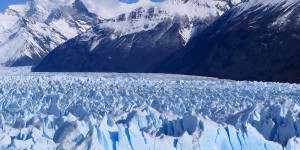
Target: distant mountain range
{"points": [[29, 32], [137, 41], [241, 40]]}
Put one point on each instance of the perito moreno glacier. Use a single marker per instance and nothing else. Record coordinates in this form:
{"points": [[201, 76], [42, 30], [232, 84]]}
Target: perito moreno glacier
{"points": [[112, 111], [139, 107]]}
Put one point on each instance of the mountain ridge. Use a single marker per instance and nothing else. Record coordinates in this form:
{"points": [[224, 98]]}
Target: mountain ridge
{"points": [[35, 29], [136, 41], [260, 47]]}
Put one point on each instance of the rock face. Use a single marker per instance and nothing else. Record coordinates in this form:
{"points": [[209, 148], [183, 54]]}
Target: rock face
{"points": [[29, 32], [255, 40], [137, 41]]}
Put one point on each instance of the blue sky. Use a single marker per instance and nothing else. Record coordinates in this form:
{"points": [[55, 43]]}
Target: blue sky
{"points": [[5, 3]]}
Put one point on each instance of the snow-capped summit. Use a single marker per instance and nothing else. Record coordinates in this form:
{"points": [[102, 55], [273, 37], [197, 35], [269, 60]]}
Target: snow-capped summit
{"points": [[41, 9], [112, 8], [138, 40], [38, 10], [29, 32], [11, 15], [150, 14]]}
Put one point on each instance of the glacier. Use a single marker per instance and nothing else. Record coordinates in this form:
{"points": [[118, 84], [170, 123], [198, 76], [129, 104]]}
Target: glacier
{"points": [[144, 111]]}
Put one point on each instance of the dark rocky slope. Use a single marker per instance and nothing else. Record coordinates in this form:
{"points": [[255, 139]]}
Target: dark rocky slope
{"points": [[257, 42]]}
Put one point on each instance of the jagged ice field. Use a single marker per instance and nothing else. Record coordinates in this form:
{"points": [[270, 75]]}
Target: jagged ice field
{"points": [[144, 111]]}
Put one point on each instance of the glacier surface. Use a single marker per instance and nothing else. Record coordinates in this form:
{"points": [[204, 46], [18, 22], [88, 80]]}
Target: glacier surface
{"points": [[144, 111]]}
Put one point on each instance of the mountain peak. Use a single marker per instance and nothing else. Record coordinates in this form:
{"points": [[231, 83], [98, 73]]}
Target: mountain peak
{"points": [[30, 31], [143, 36]]}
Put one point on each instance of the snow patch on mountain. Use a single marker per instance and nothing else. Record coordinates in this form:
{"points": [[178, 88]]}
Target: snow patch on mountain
{"points": [[112, 8], [23, 43], [259, 4], [235, 2], [11, 16], [29, 32], [147, 15], [41, 9]]}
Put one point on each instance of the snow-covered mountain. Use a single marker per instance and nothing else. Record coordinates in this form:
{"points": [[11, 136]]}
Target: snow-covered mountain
{"points": [[30, 31], [138, 40], [255, 40]]}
